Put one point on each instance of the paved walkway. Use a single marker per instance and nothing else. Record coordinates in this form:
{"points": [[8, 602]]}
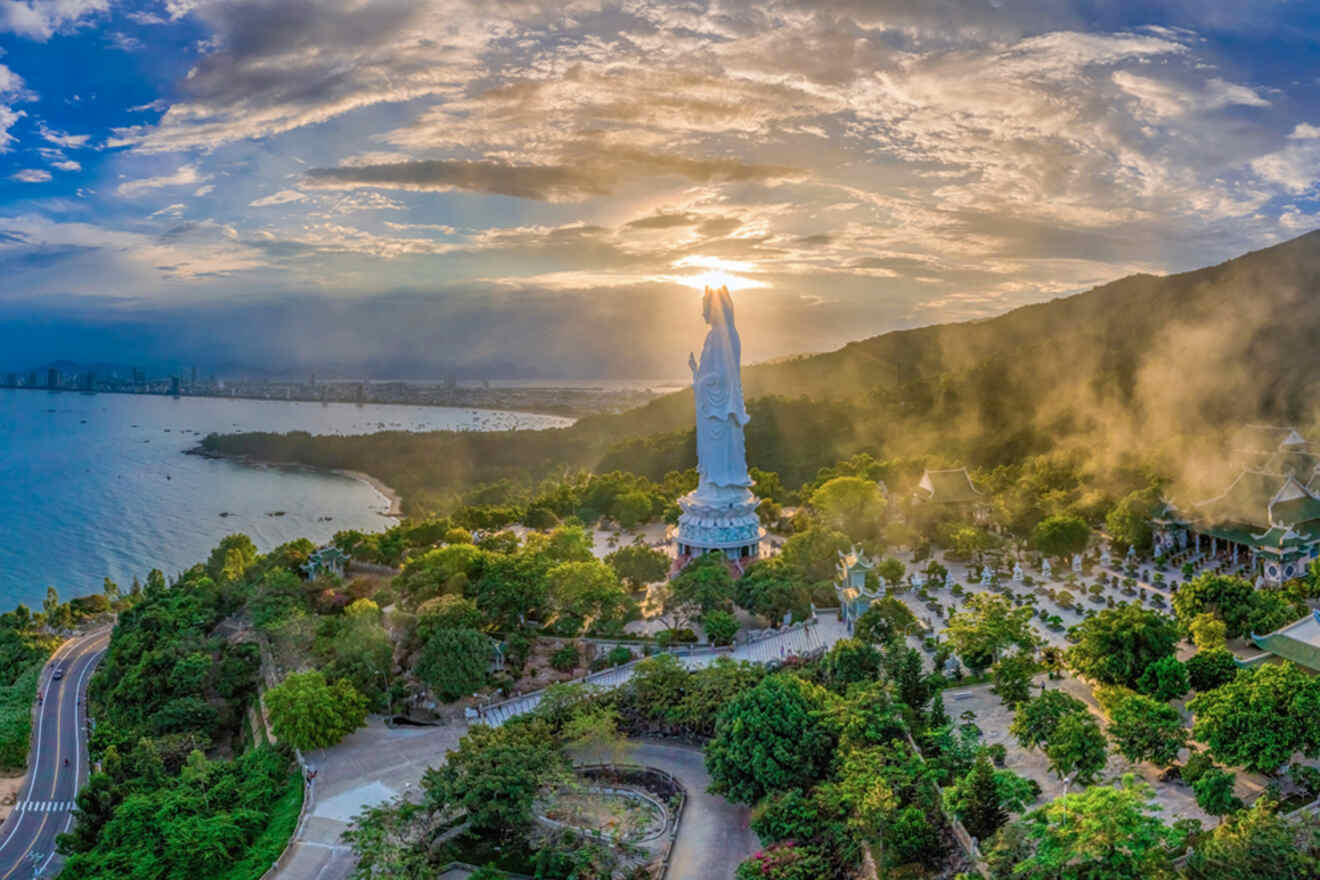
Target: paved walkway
{"points": [[378, 763], [713, 836], [374, 764], [773, 648]]}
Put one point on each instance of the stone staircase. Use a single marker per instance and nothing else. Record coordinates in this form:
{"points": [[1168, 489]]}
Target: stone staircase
{"points": [[770, 647]]}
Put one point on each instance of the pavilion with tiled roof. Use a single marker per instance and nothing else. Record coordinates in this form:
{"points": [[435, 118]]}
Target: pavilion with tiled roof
{"points": [[1266, 523], [951, 486]]}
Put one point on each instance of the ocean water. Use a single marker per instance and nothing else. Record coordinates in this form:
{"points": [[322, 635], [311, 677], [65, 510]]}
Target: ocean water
{"points": [[95, 486]]}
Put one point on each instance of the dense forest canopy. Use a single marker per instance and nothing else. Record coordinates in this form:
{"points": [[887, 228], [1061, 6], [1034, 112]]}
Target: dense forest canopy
{"points": [[1160, 368]]}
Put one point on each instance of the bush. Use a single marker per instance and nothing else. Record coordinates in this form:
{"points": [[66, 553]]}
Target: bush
{"points": [[1197, 764], [565, 658], [455, 662], [720, 626], [619, 655], [1165, 679], [1214, 792], [1207, 670], [668, 637]]}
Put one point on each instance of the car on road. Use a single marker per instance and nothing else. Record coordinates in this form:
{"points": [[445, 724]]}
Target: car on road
{"points": [[58, 673]]}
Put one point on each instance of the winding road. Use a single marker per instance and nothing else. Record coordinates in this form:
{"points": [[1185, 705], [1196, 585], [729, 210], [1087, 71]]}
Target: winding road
{"points": [[46, 802]]}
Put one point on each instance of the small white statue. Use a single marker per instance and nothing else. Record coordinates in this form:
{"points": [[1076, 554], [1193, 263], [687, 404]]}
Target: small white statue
{"points": [[1045, 570], [1017, 572], [1077, 563]]}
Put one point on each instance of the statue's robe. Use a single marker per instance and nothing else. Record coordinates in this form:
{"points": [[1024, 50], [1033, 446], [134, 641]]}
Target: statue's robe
{"points": [[717, 388]]}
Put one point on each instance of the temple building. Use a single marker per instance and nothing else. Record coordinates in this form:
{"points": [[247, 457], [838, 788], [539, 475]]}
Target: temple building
{"points": [[951, 489], [1265, 524], [850, 584], [326, 561], [1299, 642]]}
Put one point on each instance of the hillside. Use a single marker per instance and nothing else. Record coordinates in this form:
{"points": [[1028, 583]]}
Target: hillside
{"points": [[1144, 365]]}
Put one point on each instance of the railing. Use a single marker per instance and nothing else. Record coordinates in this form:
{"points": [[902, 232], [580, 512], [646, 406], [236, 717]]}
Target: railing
{"points": [[678, 651], [679, 790]]}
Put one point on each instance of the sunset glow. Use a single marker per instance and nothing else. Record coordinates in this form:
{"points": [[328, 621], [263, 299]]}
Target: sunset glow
{"points": [[716, 273]]}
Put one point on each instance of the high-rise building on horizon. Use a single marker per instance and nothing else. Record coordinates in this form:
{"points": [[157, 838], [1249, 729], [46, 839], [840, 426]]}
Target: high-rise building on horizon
{"points": [[52, 378]]}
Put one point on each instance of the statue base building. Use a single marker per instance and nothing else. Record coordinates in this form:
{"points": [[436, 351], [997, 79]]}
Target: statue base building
{"points": [[719, 518]]}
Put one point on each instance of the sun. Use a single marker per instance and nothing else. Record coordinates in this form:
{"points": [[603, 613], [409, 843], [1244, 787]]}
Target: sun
{"points": [[716, 273]]}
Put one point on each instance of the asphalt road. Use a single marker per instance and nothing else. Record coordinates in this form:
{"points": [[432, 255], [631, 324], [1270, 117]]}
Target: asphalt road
{"points": [[46, 802]]}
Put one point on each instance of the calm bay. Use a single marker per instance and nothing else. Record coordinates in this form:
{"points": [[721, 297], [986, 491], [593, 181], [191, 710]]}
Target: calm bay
{"points": [[97, 485]]}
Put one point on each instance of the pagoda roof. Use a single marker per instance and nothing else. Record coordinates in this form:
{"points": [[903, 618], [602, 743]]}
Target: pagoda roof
{"points": [[950, 486], [1247, 500], [1299, 641], [1267, 439], [855, 558]]}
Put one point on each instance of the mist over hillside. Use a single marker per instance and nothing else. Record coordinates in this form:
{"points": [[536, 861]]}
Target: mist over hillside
{"points": [[1145, 369]]}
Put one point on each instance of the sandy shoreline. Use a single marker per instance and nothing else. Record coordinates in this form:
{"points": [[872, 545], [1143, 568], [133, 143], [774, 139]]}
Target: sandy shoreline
{"points": [[393, 498]]}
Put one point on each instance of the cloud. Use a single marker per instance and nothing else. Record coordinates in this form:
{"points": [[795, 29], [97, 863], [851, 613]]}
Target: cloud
{"points": [[31, 175], [62, 138], [66, 165], [596, 174], [184, 175], [283, 197], [41, 19], [124, 42]]}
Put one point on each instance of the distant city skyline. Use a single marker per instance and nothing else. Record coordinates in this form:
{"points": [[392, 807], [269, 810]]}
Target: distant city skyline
{"points": [[543, 189]]}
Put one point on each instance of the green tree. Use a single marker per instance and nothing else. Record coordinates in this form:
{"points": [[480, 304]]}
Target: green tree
{"points": [[816, 552], [1077, 746], [1227, 598], [494, 776], [570, 543], [512, 587], [446, 612], [982, 813], [890, 570], [1271, 610], [1129, 522], [704, 584], [1146, 729], [455, 662], [1034, 721], [638, 565], [986, 625], [852, 505], [307, 712], [586, 594], [884, 620], [776, 736], [1208, 632], [721, 627], [1117, 644], [231, 557], [821, 821], [1207, 670], [445, 569], [1165, 679], [1103, 833], [1214, 792], [771, 588], [1256, 843], [1060, 535], [1012, 677], [851, 661], [1260, 718]]}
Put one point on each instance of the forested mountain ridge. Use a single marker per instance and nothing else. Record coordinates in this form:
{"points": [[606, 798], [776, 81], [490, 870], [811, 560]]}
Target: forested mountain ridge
{"points": [[1142, 365]]}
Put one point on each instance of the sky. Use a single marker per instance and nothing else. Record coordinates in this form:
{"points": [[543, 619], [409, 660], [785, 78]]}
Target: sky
{"points": [[536, 188]]}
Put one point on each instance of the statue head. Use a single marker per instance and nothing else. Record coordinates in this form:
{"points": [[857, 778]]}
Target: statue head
{"points": [[717, 307]]}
